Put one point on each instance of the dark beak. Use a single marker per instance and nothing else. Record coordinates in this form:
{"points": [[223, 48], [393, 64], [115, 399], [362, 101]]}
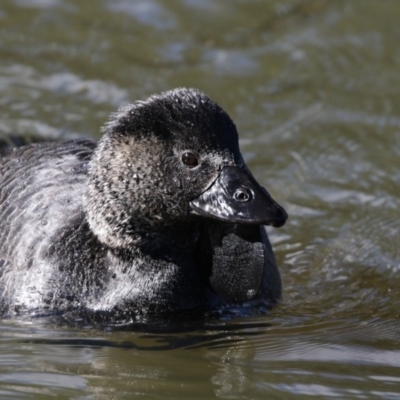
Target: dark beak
{"points": [[236, 197]]}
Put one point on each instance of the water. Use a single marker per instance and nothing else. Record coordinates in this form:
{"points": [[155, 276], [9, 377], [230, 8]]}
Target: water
{"points": [[314, 88]]}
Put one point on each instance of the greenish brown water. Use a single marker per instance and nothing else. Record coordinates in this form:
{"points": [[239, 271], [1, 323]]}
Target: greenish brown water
{"points": [[314, 88]]}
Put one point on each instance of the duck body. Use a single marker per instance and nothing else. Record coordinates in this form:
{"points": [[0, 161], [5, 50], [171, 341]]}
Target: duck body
{"points": [[161, 216]]}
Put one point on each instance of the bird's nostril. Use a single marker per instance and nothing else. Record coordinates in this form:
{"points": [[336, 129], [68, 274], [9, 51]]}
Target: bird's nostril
{"points": [[242, 195]]}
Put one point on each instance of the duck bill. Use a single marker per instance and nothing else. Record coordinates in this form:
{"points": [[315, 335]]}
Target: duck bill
{"points": [[236, 197]]}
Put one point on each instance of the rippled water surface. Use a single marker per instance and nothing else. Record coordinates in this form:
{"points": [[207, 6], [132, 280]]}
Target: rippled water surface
{"points": [[314, 88]]}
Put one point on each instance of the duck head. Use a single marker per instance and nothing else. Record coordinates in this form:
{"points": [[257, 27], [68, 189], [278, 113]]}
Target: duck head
{"points": [[165, 159]]}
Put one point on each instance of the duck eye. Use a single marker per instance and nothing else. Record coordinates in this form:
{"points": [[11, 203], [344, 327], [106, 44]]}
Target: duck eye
{"points": [[189, 159]]}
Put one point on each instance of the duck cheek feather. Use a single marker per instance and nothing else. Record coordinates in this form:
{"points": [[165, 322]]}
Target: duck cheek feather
{"points": [[236, 197]]}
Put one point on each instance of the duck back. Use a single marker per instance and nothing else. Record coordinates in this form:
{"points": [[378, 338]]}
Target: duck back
{"points": [[39, 188]]}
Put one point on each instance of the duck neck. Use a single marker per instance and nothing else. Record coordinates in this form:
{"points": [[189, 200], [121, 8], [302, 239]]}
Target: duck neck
{"points": [[171, 243]]}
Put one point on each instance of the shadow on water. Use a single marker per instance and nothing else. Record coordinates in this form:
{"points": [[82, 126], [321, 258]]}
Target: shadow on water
{"points": [[158, 335], [213, 338]]}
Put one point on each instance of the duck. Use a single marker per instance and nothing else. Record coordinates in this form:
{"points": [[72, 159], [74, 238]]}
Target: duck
{"points": [[159, 217]]}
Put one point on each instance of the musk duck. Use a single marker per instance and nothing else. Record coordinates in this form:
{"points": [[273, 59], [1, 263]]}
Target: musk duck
{"points": [[161, 216]]}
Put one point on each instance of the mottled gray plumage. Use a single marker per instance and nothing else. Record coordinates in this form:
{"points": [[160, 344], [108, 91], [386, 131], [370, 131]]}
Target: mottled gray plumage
{"points": [[105, 231]]}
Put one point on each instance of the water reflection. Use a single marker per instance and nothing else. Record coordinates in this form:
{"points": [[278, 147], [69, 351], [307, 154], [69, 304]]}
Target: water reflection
{"points": [[228, 363]]}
